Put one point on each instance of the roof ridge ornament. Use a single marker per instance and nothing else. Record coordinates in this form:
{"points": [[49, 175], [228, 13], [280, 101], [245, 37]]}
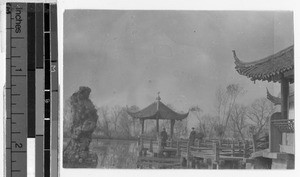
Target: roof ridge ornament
{"points": [[237, 60], [158, 97]]}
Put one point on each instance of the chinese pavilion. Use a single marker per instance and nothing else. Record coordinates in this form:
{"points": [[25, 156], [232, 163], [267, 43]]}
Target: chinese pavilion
{"points": [[157, 111], [278, 67]]}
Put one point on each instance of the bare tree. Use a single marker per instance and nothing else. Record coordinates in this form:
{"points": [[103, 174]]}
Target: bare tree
{"points": [[135, 125], [203, 125], [259, 114], [209, 123], [238, 120], [116, 112], [103, 124], [197, 111], [164, 124], [180, 128], [125, 123], [225, 101]]}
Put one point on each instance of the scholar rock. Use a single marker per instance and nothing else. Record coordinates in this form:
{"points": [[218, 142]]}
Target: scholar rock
{"points": [[84, 118]]}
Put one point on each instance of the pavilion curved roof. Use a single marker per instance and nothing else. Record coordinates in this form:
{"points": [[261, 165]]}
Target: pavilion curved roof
{"points": [[160, 111], [277, 100], [269, 68]]}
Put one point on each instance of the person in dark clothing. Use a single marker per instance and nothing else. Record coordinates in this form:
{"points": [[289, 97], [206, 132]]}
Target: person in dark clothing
{"points": [[192, 136], [164, 137]]}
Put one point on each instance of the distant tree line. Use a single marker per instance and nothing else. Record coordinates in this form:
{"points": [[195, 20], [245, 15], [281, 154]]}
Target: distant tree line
{"points": [[230, 119]]}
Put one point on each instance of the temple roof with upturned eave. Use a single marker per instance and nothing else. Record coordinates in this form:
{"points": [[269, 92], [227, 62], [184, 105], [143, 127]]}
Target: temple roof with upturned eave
{"points": [[269, 68], [157, 110]]}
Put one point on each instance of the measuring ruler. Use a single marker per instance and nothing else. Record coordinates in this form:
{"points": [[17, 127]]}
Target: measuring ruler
{"points": [[31, 90], [16, 90]]}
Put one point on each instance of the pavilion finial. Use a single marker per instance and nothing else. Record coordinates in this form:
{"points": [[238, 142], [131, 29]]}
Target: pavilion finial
{"points": [[158, 97]]}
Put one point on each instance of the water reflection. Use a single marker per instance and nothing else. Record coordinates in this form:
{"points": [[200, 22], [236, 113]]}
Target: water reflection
{"points": [[115, 153]]}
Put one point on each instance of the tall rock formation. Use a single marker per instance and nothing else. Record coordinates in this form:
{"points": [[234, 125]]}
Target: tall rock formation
{"points": [[84, 120]]}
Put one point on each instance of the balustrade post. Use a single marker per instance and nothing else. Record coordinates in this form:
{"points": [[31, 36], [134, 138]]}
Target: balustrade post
{"points": [[151, 146], [216, 150], [232, 149], [188, 154], [240, 147], [199, 145], [178, 149], [142, 143], [246, 145]]}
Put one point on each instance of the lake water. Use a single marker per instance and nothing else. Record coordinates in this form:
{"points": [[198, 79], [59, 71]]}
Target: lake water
{"points": [[114, 153]]}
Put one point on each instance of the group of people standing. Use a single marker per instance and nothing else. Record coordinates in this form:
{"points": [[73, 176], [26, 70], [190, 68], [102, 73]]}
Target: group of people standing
{"points": [[164, 137]]}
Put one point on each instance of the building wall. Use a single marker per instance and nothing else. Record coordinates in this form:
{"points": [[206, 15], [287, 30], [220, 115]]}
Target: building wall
{"points": [[288, 139], [284, 163]]}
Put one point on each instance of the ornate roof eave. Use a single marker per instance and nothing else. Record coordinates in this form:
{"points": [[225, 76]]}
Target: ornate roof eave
{"points": [[154, 114], [270, 68], [134, 115], [275, 100], [179, 117]]}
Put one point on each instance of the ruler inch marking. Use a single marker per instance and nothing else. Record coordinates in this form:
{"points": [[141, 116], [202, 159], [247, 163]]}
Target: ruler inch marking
{"points": [[11, 96], [16, 79]]}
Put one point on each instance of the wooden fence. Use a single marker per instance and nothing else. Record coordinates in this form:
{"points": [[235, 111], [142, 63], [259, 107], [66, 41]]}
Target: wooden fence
{"points": [[213, 149]]}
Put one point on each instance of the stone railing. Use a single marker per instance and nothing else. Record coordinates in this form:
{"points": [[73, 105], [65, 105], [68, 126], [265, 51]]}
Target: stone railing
{"points": [[284, 125]]}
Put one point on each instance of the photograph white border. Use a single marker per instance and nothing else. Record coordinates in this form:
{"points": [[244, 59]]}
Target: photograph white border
{"points": [[172, 5], [291, 5]]}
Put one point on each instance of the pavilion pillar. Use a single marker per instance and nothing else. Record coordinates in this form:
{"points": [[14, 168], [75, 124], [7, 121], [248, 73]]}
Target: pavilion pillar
{"points": [[284, 98], [157, 113], [275, 136], [172, 121], [142, 121], [157, 124], [284, 105]]}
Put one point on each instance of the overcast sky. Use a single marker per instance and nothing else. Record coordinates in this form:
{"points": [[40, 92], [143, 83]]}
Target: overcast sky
{"points": [[126, 57]]}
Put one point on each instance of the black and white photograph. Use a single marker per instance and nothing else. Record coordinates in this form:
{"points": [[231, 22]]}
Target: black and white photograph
{"points": [[178, 89]]}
